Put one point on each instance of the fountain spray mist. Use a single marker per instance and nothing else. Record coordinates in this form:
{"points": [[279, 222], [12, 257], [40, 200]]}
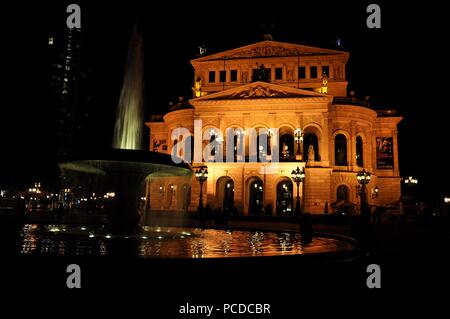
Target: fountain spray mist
{"points": [[130, 116]]}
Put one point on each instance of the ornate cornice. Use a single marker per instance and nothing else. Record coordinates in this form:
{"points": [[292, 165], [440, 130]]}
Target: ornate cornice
{"points": [[295, 101], [262, 91], [273, 51], [270, 49]]}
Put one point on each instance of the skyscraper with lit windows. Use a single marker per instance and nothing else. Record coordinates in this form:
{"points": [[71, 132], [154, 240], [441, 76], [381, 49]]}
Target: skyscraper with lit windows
{"points": [[69, 90]]}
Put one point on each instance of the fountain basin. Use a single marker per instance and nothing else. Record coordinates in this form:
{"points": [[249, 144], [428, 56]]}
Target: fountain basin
{"points": [[122, 173]]}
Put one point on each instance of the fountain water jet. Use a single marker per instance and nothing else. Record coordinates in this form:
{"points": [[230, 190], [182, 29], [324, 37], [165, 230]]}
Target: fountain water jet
{"points": [[124, 169], [129, 119]]}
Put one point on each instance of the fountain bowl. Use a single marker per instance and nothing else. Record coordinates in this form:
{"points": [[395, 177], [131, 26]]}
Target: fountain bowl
{"points": [[122, 173]]}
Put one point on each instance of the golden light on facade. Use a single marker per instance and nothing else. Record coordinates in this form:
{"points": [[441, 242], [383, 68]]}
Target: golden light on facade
{"points": [[284, 107]]}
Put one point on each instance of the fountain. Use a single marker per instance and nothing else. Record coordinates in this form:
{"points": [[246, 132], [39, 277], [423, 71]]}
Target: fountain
{"points": [[123, 170], [129, 119], [122, 173]]}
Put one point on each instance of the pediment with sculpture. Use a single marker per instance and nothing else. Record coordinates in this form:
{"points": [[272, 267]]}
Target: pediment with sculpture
{"points": [[269, 49]]}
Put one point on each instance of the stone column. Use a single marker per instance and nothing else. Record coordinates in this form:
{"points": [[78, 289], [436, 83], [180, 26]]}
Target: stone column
{"points": [[324, 147], [352, 144], [395, 150], [373, 149]]}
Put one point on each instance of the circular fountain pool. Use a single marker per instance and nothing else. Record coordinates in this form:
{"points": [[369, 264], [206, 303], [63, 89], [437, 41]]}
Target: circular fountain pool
{"points": [[173, 242]]}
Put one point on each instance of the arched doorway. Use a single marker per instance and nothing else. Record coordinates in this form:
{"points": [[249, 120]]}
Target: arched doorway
{"points": [[285, 197], [311, 139], [342, 194], [225, 193], [256, 196]]}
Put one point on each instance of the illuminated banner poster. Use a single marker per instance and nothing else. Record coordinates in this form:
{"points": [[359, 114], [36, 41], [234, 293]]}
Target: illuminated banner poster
{"points": [[385, 154]]}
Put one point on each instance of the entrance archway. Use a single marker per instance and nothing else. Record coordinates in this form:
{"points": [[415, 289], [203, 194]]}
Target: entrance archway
{"points": [[342, 194], [285, 197], [256, 196], [225, 193]]}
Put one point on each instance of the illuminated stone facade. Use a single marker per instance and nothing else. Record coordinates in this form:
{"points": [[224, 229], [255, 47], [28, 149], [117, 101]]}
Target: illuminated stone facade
{"points": [[281, 87]]}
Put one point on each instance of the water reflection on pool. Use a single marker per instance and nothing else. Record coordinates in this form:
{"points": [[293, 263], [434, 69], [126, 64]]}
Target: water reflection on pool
{"points": [[170, 242]]}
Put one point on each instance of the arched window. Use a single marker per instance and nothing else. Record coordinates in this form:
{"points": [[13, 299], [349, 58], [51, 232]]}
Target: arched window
{"points": [[342, 193], [359, 152], [212, 142], [235, 144], [286, 147], [263, 143], [340, 150]]}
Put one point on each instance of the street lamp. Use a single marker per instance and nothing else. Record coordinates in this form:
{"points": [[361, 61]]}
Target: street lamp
{"points": [[298, 175], [410, 183], [363, 179], [201, 175], [298, 138]]}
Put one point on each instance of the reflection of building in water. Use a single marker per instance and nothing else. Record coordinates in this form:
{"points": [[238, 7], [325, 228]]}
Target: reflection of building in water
{"points": [[277, 88]]}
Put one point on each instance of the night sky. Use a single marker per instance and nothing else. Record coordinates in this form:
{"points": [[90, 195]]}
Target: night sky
{"points": [[403, 65]]}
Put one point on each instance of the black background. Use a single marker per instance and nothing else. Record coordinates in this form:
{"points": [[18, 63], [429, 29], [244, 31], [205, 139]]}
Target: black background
{"points": [[403, 65]]}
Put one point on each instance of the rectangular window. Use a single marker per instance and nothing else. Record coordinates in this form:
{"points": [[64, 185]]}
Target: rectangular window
{"points": [[301, 72], [255, 74], [233, 76], [278, 73], [326, 70], [223, 76], [261, 74], [313, 71], [212, 76]]}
